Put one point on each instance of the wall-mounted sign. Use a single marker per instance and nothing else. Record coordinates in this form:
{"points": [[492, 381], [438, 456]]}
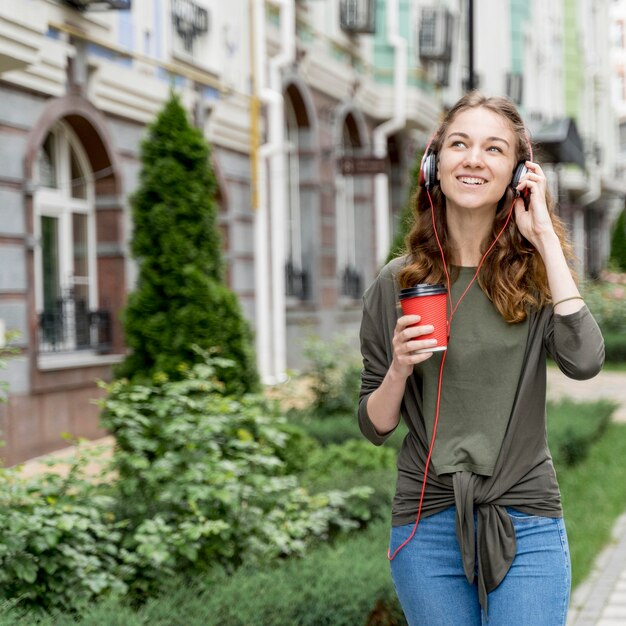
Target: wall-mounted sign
{"points": [[362, 166], [190, 20]]}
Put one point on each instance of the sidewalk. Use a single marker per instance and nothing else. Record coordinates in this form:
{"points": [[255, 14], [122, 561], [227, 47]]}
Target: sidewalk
{"points": [[601, 599]]}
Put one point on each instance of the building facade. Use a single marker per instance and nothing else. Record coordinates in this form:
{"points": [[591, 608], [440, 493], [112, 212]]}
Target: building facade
{"points": [[315, 110], [298, 111]]}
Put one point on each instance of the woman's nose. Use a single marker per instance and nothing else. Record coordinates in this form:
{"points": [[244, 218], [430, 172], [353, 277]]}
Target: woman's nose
{"points": [[474, 157]]}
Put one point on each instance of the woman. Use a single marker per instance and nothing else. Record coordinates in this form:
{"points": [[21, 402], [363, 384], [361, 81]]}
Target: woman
{"points": [[482, 537]]}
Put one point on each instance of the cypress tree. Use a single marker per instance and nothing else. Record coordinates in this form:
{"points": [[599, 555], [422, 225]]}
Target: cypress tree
{"points": [[618, 243], [180, 299]]}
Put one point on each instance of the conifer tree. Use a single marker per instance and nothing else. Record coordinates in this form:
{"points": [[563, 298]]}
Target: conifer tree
{"points": [[618, 242], [180, 299]]}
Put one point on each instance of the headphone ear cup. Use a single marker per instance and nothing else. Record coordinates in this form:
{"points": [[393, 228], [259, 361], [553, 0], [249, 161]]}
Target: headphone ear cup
{"points": [[520, 171], [428, 176]]}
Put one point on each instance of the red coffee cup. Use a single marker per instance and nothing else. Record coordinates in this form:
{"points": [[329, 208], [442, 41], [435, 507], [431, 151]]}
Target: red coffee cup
{"points": [[430, 303]]}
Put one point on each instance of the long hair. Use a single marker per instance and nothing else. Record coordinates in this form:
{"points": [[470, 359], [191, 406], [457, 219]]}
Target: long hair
{"points": [[513, 275]]}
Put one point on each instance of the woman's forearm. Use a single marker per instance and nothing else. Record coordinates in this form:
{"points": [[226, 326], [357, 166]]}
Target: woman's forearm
{"points": [[562, 284], [383, 405]]}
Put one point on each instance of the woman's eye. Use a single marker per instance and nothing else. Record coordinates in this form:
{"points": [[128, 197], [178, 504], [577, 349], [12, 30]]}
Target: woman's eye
{"points": [[494, 149], [458, 144]]}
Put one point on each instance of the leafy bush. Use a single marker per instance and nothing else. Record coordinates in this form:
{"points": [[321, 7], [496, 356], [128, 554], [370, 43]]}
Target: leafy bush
{"points": [[345, 584], [181, 297], [573, 427], [353, 455], [200, 483], [333, 429], [335, 375], [60, 545], [202, 479], [618, 242]]}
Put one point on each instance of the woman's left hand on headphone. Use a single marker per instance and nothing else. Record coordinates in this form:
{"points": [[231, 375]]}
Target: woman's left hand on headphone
{"points": [[534, 223]]}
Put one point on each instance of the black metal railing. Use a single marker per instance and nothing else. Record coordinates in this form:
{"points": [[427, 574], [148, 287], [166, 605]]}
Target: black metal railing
{"points": [[70, 326], [297, 281], [351, 283]]}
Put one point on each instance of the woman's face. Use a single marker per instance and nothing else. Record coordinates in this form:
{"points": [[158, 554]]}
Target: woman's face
{"points": [[476, 160]]}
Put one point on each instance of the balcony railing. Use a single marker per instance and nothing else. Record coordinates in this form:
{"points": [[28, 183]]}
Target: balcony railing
{"points": [[71, 326], [351, 283], [297, 281]]}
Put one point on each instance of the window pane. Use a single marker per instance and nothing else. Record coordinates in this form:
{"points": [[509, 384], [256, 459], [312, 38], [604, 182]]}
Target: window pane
{"points": [[47, 163], [80, 245], [50, 261], [78, 182]]}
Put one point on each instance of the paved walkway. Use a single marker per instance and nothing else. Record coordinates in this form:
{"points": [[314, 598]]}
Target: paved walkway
{"points": [[601, 599]]}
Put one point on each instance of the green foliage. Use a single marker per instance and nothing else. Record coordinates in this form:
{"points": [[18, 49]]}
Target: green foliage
{"points": [[327, 430], [406, 218], [344, 584], [60, 544], [203, 481], [354, 455], [593, 494], [335, 375], [607, 302], [573, 427], [5, 351], [618, 243], [180, 298]]}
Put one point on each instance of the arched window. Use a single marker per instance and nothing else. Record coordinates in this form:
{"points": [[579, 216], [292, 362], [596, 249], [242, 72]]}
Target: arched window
{"points": [[299, 226], [66, 294], [351, 196]]}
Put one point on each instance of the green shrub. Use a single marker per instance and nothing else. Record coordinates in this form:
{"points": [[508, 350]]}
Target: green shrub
{"points": [[335, 375], [202, 481], [180, 298], [618, 242], [354, 455], [330, 429], [573, 427], [60, 546], [607, 302], [344, 584], [615, 347]]}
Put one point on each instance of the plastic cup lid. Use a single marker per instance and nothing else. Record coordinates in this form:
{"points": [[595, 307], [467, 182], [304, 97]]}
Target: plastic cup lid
{"points": [[422, 290]]}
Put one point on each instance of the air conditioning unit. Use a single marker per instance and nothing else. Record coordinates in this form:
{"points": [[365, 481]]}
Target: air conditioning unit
{"points": [[515, 87], [435, 34], [99, 5], [358, 16]]}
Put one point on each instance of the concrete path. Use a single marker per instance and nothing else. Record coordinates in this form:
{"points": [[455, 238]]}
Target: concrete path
{"points": [[606, 385], [601, 599]]}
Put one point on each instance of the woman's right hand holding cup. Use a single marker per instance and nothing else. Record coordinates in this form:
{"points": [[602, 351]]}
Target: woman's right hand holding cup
{"points": [[406, 341]]}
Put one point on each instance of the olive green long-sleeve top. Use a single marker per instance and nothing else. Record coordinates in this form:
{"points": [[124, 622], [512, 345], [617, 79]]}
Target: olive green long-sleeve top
{"points": [[523, 475]]}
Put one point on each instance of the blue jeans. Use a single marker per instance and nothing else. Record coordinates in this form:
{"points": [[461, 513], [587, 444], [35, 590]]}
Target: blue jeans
{"points": [[433, 590]]}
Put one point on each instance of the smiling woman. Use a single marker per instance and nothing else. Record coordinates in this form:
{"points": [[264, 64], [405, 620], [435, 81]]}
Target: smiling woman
{"points": [[475, 466]]}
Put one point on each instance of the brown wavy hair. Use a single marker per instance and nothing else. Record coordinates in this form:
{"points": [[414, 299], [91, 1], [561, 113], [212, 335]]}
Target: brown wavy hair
{"points": [[513, 275]]}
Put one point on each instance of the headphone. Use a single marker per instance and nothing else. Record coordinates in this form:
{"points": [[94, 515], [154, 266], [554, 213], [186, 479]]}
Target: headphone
{"points": [[428, 172]]}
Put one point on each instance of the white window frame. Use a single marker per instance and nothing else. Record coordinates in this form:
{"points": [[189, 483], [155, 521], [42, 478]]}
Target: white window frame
{"points": [[59, 203], [294, 213], [346, 216]]}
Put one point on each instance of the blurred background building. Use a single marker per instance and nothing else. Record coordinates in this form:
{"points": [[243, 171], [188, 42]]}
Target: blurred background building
{"points": [[316, 111]]}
